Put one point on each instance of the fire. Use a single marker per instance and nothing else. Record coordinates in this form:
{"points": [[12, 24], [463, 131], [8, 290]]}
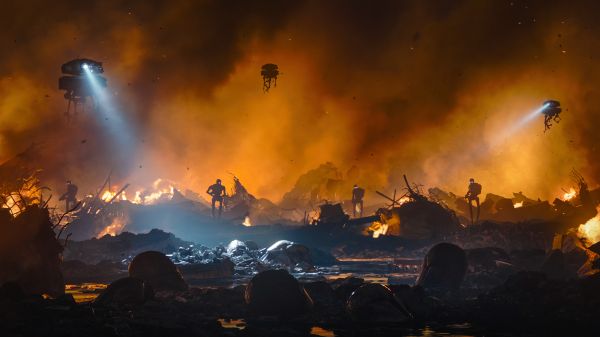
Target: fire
{"points": [[590, 231], [116, 227], [12, 205], [378, 229], [160, 191], [389, 224], [570, 195], [518, 204], [247, 222], [107, 195]]}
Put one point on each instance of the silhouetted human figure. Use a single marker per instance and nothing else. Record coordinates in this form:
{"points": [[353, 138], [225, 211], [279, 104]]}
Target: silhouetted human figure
{"points": [[217, 191], [473, 195], [357, 199], [70, 196]]}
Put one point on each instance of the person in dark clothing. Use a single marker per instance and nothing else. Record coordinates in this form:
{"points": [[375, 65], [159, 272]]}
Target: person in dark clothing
{"points": [[473, 195], [357, 200], [70, 196], [217, 192]]}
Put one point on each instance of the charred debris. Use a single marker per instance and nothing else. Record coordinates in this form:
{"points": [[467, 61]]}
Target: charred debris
{"points": [[413, 265]]}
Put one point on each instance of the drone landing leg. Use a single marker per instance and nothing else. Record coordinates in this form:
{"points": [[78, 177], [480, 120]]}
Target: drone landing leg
{"points": [[67, 113]]}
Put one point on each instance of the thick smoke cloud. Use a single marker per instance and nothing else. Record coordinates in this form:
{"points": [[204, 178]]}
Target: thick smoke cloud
{"points": [[392, 87]]}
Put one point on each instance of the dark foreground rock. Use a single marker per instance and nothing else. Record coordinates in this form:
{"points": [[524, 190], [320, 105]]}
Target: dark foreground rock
{"points": [[528, 303], [532, 301], [158, 270], [444, 268], [376, 303], [276, 293], [126, 291], [30, 253]]}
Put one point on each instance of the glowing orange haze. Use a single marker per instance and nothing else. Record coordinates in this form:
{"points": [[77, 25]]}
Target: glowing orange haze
{"points": [[426, 104]]}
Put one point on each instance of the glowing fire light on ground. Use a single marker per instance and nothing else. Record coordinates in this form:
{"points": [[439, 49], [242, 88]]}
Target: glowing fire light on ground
{"points": [[518, 204], [247, 222], [390, 225], [590, 231], [570, 195], [116, 227], [378, 229]]}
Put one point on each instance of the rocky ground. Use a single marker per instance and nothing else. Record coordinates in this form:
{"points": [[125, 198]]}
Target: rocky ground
{"points": [[527, 304]]}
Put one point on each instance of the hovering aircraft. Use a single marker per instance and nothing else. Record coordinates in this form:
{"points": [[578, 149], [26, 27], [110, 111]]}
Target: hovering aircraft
{"points": [[77, 85]]}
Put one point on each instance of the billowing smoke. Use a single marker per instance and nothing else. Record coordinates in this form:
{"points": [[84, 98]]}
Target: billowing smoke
{"points": [[391, 87]]}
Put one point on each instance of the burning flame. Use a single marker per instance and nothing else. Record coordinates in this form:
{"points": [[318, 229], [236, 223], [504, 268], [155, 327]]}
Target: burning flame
{"points": [[518, 204], [116, 227], [388, 224], [10, 202], [247, 222], [109, 195], [161, 191], [570, 195], [378, 229], [590, 231]]}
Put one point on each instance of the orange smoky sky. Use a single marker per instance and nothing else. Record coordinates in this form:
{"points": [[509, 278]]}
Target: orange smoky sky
{"points": [[426, 88]]}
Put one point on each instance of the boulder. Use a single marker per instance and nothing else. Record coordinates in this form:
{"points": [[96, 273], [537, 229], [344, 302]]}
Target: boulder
{"points": [[125, 291], [444, 268], [237, 248], [287, 253], [321, 292], [158, 271], [276, 293], [344, 287], [414, 299], [373, 302]]}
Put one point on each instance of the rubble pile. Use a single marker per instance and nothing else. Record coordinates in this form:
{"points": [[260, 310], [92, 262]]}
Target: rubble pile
{"points": [[247, 258], [122, 247], [107, 258], [508, 236]]}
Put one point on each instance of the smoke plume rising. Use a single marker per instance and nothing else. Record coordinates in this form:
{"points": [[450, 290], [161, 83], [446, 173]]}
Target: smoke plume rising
{"points": [[391, 87]]}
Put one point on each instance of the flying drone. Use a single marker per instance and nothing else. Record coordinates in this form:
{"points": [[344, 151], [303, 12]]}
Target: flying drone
{"points": [[551, 111], [77, 79], [269, 73]]}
